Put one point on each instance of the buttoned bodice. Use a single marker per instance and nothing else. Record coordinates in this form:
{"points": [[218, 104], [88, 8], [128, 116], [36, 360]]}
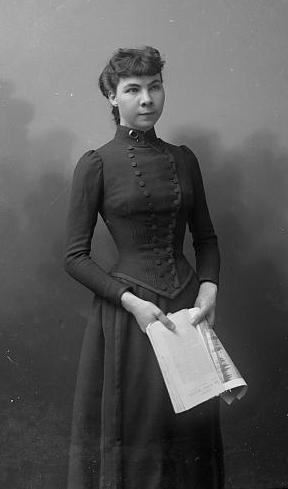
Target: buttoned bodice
{"points": [[146, 191]]}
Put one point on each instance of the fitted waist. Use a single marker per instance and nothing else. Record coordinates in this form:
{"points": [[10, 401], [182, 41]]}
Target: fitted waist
{"points": [[163, 271]]}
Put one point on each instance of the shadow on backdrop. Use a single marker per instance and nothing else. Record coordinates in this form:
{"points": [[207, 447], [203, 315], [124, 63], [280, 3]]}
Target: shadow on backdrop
{"points": [[247, 192], [43, 313], [39, 332]]}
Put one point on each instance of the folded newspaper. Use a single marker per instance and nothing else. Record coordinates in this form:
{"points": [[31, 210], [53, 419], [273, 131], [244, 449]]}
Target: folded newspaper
{"points": [[194, 364]]}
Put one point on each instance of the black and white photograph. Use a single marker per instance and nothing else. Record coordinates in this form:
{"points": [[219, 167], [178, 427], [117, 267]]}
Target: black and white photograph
{"points": [[144, 244]]}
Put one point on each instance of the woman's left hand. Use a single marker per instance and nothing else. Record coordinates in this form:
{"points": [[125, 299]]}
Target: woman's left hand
{"points": [[206, 302]]}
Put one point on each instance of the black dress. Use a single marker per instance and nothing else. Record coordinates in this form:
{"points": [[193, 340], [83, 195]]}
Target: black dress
{"points": [[125, 433]]}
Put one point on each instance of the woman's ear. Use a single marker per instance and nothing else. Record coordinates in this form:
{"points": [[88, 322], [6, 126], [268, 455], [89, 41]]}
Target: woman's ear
{"points": [[112, 99]]}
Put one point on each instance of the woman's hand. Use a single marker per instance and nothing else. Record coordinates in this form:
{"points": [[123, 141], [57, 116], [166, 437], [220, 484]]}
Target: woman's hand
{"points": [[145, 312], [205, 304]]}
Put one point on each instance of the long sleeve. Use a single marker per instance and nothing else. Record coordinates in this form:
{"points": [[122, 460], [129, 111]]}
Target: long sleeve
{"points": [[200, 224], [85, 203]]}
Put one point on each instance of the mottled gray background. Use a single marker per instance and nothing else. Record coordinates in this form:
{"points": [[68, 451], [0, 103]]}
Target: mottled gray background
{"points": [[227, 98]]}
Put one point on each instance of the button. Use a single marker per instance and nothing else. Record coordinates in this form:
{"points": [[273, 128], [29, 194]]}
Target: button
{"points": [[130, 147], [131, 155], [177, 190], [146, 193], [169, 249], [134, 163], [173, 272], [176, 201], [150, 205], [170, 260], [133, 134], [141, 183], [153, 216], [138, 173], [163, 287]]}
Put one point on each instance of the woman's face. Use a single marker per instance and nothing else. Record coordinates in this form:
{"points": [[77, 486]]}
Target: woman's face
{"points": [[140, 101]]}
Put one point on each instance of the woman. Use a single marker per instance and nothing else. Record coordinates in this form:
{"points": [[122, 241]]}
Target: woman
{"points": [[125, 432]]}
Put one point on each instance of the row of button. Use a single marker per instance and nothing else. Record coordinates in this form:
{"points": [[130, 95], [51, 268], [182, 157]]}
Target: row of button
{"points": [[172, 225], [152, 220]]}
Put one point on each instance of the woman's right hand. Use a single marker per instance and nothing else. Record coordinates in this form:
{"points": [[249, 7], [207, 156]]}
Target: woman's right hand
{"points": [[145, 312]]}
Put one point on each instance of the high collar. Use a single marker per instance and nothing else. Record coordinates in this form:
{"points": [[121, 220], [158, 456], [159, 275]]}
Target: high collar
{"points": [[135, 136]]}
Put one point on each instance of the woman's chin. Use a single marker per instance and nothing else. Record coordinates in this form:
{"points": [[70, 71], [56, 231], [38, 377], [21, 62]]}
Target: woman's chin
{"points": [[145, 125]]}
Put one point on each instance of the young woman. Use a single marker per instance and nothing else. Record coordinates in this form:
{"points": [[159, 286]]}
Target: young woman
{"points": [[125, 432]]}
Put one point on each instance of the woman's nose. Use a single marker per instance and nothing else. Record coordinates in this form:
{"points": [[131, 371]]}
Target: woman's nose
{"points": [[145, 98]]}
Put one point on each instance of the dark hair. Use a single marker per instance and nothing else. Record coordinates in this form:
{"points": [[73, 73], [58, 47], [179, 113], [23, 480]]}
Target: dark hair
{"points": [[124, 63]]}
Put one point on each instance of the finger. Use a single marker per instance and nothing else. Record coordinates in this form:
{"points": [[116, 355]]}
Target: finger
{"points": [[166, 321], [199, 316], [193, 312], [211, 318]]}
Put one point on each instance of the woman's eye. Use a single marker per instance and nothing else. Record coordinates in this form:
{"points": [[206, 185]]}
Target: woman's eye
{"points": [[132, 90], [155, 87]]}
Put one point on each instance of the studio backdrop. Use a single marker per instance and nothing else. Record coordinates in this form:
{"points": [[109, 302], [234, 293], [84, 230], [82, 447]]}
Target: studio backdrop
{"points": [[226, 80]]}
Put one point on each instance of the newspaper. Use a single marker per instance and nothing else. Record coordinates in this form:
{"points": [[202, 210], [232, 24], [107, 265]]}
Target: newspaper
{"points": [[194, 364]]}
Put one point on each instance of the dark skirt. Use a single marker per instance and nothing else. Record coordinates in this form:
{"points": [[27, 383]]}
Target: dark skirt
{"points": [[125, 433]]}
